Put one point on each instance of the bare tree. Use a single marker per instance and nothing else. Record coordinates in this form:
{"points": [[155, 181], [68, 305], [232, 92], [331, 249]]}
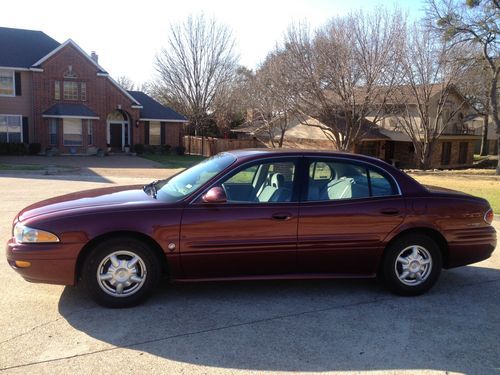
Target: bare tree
{"points": [[345, 71], [197, 61], [270, 100], [230, 102], [125, 82], [474, 84], [472, 22], [423, 103]]}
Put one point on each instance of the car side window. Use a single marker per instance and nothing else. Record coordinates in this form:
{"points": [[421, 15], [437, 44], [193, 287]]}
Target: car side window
{"points": [[332, 180], [261, 183], [380, 185]]}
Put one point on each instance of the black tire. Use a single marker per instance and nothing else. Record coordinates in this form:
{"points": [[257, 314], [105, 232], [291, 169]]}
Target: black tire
{"points": [[112, 258], [419, 277]]}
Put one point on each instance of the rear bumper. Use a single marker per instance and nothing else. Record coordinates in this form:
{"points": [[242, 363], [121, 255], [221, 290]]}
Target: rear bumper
{"points": [[50, 263], [470, 246]]}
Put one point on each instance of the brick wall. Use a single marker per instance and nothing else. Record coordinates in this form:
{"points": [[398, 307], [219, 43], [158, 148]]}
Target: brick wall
{"points": [[103, 97]]}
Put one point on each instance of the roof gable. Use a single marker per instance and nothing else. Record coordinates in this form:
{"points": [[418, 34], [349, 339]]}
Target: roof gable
{"points": [[152, 110], [100, 69], [21, 48]]}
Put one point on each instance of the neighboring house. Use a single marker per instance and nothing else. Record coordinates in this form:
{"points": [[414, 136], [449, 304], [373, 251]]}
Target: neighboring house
{"points": [[455, 145], [386, 140], [59, 96], [476, 122]]}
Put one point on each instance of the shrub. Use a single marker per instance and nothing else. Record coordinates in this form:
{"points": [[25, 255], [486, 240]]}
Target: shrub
{"points": [[13, 149], [179, 150], [139, 148], [165, 149], [34, 148]]}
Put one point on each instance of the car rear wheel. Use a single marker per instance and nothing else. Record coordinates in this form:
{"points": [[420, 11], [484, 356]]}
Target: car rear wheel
{"points": [[121, 272], [412, 265]]}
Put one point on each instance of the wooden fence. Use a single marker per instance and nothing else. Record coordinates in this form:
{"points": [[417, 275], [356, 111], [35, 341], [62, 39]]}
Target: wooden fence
{"points": [[208, 146]]}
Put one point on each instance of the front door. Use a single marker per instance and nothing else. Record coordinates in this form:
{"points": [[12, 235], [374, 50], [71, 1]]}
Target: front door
{"points": [[254, 233], [116, 136]]}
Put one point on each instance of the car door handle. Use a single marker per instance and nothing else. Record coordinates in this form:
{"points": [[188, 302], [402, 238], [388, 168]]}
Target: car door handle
{"points": [[389, 211], [283, 216]]}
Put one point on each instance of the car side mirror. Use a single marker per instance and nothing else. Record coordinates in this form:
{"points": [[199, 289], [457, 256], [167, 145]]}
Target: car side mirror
{"points": [[214, 195]]}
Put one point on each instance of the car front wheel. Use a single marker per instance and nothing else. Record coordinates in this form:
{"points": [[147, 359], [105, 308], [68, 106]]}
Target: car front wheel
{"points": [[120, 272], [412, 265]]}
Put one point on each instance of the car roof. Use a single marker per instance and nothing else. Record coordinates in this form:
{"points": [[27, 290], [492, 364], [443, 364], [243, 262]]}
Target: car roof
{"points": [[251, 153]]}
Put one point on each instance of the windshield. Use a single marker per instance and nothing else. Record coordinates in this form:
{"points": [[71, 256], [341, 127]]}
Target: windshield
{"points": [[186, 182]]}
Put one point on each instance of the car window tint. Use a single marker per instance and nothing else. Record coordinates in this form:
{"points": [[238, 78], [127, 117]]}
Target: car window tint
{"points": [[261, 183], [344, 181], [320, 171], [380, 185], [245, 176]]}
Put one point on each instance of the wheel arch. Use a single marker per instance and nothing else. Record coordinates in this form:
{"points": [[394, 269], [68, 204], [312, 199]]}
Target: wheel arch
{"points": [[87, 249], [429, 232]]}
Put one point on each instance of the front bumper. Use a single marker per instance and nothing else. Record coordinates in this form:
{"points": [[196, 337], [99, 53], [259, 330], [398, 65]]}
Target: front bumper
{"points": [[50, 263]]}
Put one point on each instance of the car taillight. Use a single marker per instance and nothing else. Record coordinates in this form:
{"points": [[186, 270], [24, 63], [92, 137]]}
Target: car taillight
{"points": [[488, 216]]}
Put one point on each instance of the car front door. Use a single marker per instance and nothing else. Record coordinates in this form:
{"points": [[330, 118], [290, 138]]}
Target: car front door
{"points": [[346, 212], [254, 233]]}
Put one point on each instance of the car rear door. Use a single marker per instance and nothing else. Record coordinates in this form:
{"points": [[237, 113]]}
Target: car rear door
{"points": [[253, 234], [347, 211]]}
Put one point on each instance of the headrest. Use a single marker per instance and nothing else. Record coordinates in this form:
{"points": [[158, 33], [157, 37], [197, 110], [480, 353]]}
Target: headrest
{"points": [[277, 180]]}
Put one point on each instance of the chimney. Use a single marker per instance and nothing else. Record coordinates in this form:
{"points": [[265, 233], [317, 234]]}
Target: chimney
{"points": [[94, 57]]}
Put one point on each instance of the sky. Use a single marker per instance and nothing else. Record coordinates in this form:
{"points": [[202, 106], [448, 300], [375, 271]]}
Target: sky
{"points": [[127, 35]]}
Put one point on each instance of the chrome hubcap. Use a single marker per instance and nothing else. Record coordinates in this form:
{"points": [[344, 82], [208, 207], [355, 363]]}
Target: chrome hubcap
{"points": [[413, 265], [121, 274]]}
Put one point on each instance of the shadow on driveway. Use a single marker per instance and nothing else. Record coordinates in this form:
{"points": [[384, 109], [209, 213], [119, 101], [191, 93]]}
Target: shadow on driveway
{"points": [[80, 168], [308, 325]]}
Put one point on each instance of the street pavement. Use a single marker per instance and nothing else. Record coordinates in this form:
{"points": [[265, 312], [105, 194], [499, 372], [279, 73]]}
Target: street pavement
{"points": [[344, 326]]}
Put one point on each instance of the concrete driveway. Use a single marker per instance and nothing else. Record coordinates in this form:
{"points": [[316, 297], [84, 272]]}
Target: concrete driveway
{"points": [[293, 326]]}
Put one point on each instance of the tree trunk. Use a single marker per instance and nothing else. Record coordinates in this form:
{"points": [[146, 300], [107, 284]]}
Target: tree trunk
{"points": [[494, 111], [427, 152], [484, 141]]}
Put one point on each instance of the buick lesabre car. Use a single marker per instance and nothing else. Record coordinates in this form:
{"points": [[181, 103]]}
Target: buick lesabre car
{"points": [[253, 214]]}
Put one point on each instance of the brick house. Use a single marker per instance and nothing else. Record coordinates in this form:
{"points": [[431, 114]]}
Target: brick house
{"points": [[59, 96]]}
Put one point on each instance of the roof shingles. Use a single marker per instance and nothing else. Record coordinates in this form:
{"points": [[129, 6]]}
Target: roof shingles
{"points": [[152, 110], [22, 48]]}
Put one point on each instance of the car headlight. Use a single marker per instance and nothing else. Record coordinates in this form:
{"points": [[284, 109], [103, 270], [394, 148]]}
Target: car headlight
{"points": [[24, 234]]}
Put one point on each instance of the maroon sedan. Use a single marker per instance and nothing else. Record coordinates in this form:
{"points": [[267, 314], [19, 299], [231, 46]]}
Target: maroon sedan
{"points": [[253, 214]]}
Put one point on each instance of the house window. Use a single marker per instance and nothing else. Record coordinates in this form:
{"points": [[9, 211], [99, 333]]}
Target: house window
{"points": [[462, 154], [7, 85], [70, 90], [90, 132], [446, 153], [154, 133], [53, 132], [83, 91], [72, 132], [57, 90], [11, 129]]}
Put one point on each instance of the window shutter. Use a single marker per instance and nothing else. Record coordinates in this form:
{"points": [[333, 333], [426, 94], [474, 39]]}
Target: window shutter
{"points": [[146, 132], [17, 83], [162, 133], [26, 130]]}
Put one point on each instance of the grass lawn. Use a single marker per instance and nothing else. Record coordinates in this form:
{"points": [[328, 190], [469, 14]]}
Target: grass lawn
{"points": [[175, 161], [479, 185], [21, 167]]}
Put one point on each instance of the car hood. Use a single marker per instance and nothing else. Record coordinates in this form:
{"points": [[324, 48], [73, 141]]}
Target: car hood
{"points": [[113, 196]]}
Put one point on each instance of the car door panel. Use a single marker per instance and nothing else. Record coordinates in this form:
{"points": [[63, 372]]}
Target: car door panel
{"points": [[231, 240], [346, 237]]}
